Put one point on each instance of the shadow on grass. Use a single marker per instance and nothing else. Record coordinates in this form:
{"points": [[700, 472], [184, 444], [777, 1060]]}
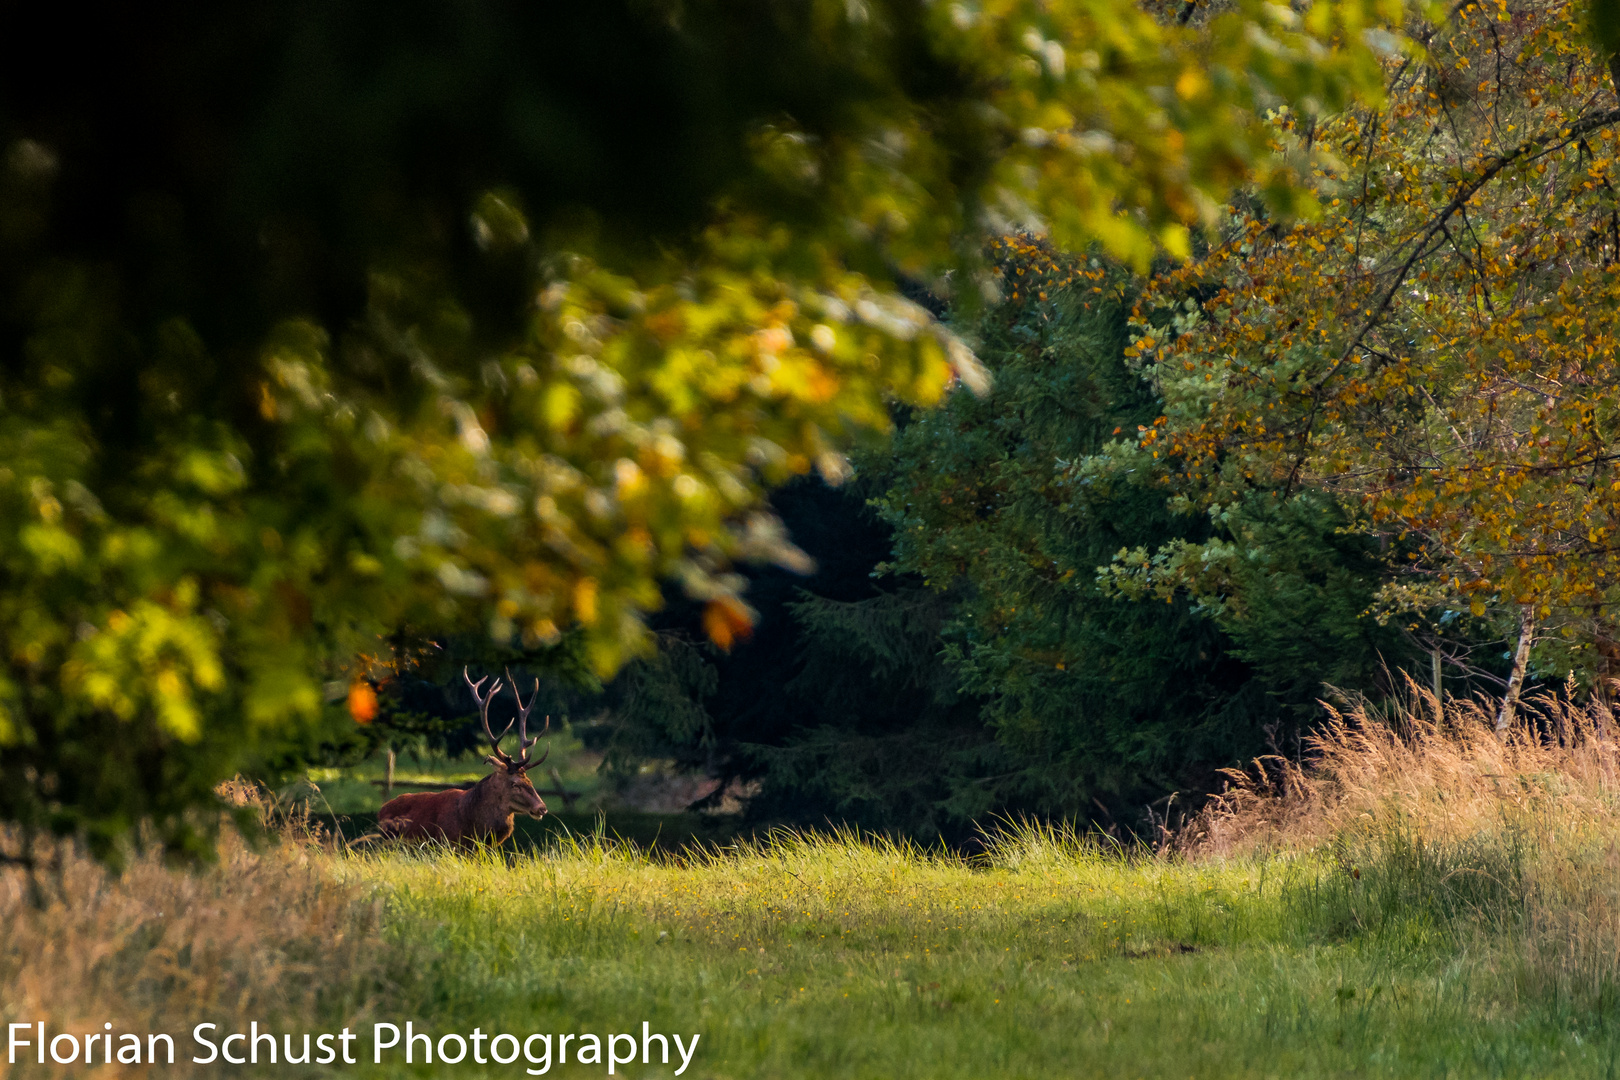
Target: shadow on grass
{"points": [[667, 833]]}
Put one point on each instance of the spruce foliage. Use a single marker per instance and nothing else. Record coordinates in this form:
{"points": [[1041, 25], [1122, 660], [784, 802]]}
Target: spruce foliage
{"points": [[1106, 697], [838, 705]]}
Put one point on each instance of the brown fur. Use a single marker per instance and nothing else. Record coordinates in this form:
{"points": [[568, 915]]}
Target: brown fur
{"points": [[483, 813]]}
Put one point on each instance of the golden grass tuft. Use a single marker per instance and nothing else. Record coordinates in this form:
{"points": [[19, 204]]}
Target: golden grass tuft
{"points": [[1439, 769], [263, 935], [1512, 842]]}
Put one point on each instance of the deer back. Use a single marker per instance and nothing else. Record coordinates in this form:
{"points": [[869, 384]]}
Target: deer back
{"points": [[424, 815]]}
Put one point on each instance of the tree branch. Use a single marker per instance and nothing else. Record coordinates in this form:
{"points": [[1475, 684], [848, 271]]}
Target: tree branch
{"points": [[1528, 150]]}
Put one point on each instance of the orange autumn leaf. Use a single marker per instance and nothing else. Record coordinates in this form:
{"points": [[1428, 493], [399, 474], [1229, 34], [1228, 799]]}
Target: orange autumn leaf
{"points": [[726, 621], [362, 702]]}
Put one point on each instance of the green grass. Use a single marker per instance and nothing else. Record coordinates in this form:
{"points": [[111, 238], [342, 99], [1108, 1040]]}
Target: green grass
{"points": [[816, 958]]}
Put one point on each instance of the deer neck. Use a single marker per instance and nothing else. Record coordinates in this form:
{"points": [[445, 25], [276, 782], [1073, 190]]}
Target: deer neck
{"points": [[486, 803]]}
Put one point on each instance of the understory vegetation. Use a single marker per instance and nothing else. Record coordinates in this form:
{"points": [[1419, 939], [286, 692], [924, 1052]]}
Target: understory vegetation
{"points": [[1417, 898]]}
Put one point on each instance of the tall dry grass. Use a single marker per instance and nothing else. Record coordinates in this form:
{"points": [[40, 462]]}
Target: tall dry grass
{"points": [[1509, 843], [1439, 767], [268, 935]]}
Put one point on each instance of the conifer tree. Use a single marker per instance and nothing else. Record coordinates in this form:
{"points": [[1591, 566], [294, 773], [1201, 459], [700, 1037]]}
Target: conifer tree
{"points": [[1020, 501]]}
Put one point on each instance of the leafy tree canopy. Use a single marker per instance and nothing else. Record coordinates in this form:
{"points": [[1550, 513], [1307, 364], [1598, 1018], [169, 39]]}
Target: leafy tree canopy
{"points": [[1438, 351]]}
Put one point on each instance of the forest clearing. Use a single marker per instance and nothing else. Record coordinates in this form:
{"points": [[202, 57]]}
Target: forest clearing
{"points": [[1429, 903], [810, 538]]}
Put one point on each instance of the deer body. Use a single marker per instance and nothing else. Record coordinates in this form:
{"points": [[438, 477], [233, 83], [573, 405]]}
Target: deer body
{"points": [[483, 813]]}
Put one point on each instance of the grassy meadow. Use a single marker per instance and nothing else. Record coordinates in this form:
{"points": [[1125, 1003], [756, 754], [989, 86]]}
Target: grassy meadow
{"points": [[1426, 901]]}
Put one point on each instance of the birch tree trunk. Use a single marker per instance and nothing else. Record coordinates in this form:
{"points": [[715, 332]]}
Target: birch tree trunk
{"points": [[1521, 659]]}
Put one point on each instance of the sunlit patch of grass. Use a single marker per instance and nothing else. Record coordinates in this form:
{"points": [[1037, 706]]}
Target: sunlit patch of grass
{"points": [[822, 955]]}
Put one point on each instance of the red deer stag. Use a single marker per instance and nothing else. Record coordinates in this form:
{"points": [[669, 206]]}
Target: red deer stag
{"points": [[482, 813]]}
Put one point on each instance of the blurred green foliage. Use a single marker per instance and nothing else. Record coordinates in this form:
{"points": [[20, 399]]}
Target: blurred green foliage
{"points": [[323, 322]]}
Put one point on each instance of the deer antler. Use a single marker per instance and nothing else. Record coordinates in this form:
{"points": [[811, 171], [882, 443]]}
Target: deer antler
{"points": [[523, 723], [483, 708]]}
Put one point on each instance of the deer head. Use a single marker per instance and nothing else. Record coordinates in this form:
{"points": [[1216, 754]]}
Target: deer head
{"points": [[510, 776]]}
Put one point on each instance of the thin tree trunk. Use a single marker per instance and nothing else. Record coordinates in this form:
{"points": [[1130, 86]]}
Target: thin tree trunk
{"points": [[388, 788], [1434, 673], [562, 788], [1521, 659]]}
